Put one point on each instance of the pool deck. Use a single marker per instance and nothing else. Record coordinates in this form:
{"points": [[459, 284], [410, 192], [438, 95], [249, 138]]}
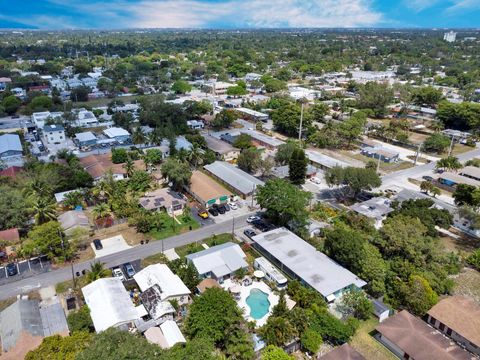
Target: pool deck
{"points": [[245, 292]]}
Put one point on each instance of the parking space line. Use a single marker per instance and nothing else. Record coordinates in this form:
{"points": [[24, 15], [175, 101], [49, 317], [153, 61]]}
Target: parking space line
{"points": [[40, 259], [29, 266]]}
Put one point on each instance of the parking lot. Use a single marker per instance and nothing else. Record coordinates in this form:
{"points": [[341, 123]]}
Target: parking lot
{"points": [[136, 264], [242, 209], [26, 268]]}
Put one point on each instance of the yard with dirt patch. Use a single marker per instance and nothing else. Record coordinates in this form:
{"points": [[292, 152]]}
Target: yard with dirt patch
{"points": [[467, 283], [366, 345]]}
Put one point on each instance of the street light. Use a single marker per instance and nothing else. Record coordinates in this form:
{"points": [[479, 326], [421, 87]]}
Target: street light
{"points": [[65, 256]]}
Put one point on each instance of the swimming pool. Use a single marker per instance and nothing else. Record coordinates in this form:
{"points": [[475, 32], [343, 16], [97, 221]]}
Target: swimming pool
{"points": [[258, 303]]}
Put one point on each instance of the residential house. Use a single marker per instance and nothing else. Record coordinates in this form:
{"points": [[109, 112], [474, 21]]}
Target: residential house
{"points": [[376, 208], [25, 323], [86, 118], [40, 118], [219, 262], [10, 146], [4, 81], [252, 115], [99, 165], [300, 260], [282, 172], [206, 190], [252, 77], [323, 161], [110, 304], [262, 139], [54, 134], [343, 352], [164, 198], [223, 150], [241, 182], [458, 317], [381, 153], [170, 285], [85, 139], [195, 124], [166, 335], [11, 236], [408, 337], [450, 179], [11, 171], [120, 135], [74, 219]]}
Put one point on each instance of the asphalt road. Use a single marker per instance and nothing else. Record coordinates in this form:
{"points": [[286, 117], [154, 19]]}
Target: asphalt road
{"points": [[398, 177], [139, 252]]}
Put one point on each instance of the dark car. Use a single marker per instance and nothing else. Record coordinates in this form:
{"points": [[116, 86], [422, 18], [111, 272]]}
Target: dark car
{"points": [[213, 211], [427, 178], [221, 209], [129, 270], [249, 233], [226, 206], [98, 244], [12, 269]]}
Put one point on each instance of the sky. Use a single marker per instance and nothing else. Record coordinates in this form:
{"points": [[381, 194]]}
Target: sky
{"points": [[123, 14]]}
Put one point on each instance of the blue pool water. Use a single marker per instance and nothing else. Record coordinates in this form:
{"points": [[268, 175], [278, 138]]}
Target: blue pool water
{"points": [[258, 303]]}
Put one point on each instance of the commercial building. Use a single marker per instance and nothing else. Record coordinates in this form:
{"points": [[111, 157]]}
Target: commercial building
{"points": [[163, 198], [110, 304], [219, 262], [206, 190], [242, 183], [450, 36], [252, 115], [451, 180], [471, 172], [262, 139], [39, 118], [376, 209], [302, 261], [411, 338], [85, 139], [118, 134], [223, 150], [458, 317], [54, 134], [381, 153], [10, 146]]}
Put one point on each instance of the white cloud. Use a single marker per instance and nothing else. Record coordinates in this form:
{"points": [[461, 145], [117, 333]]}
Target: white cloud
{"points": [[420, 5], [461, 5], [237, 13]]}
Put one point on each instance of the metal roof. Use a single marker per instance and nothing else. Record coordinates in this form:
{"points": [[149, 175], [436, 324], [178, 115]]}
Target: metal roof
{"points": [[172, 333], [324, 160], [221, 259], [10, 142], [313, 267], [375, 208], [233, 176], [115, 132], [85, 136], [109, 303], [53, 128], [53, 319], [160, 274]]}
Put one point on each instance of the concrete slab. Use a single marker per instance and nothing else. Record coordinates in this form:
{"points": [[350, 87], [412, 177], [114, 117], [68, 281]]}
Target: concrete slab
{"points": [[111, 245], [171, 254], [47, 292]]}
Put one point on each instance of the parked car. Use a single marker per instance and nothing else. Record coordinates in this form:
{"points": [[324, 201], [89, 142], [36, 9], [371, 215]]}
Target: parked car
{"points": [[233, 206], [253, 218], [261, 225], [203, 214], [249, 233], [226, 206], [98, 244], [221, 209], [427, 178], [315, 180], [129, 270], [12, 269], [213, 211], [118, 273]]}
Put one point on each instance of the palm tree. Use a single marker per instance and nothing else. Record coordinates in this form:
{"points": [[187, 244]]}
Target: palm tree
{"points": [[43, 209], [138, 136], [195, 156], [101, 211], [97, 271], [449, 163], [129, 167]]}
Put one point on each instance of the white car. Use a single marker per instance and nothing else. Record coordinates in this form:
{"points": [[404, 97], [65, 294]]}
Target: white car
{"points": [[253, 218], [233, 206], [315, 180], [118, 273]]}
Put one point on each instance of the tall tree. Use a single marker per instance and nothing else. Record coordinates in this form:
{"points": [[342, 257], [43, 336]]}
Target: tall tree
{"points": [[176, 172], [297, 167]]}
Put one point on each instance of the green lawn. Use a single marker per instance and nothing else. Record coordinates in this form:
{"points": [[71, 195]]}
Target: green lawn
{"points": [[172, 228], [211, 241], [366, 345], [154, 259]]}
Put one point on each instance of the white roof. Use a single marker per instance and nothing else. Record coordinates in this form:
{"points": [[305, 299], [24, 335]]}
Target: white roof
{"points": [[160, 274], [109, 303], [313, 267], [221, 260], [324, 160], [115, 131], [172, 333], [233, 176], [85, 136]]}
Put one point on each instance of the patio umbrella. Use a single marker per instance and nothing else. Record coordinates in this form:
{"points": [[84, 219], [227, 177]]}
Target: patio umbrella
{"points": [[259, 274]]}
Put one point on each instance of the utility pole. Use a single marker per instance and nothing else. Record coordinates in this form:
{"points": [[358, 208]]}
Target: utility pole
{"points": [[378, 163], [418, 154], [451, 146], [233, 226], [65, 256], [301, 123]]}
